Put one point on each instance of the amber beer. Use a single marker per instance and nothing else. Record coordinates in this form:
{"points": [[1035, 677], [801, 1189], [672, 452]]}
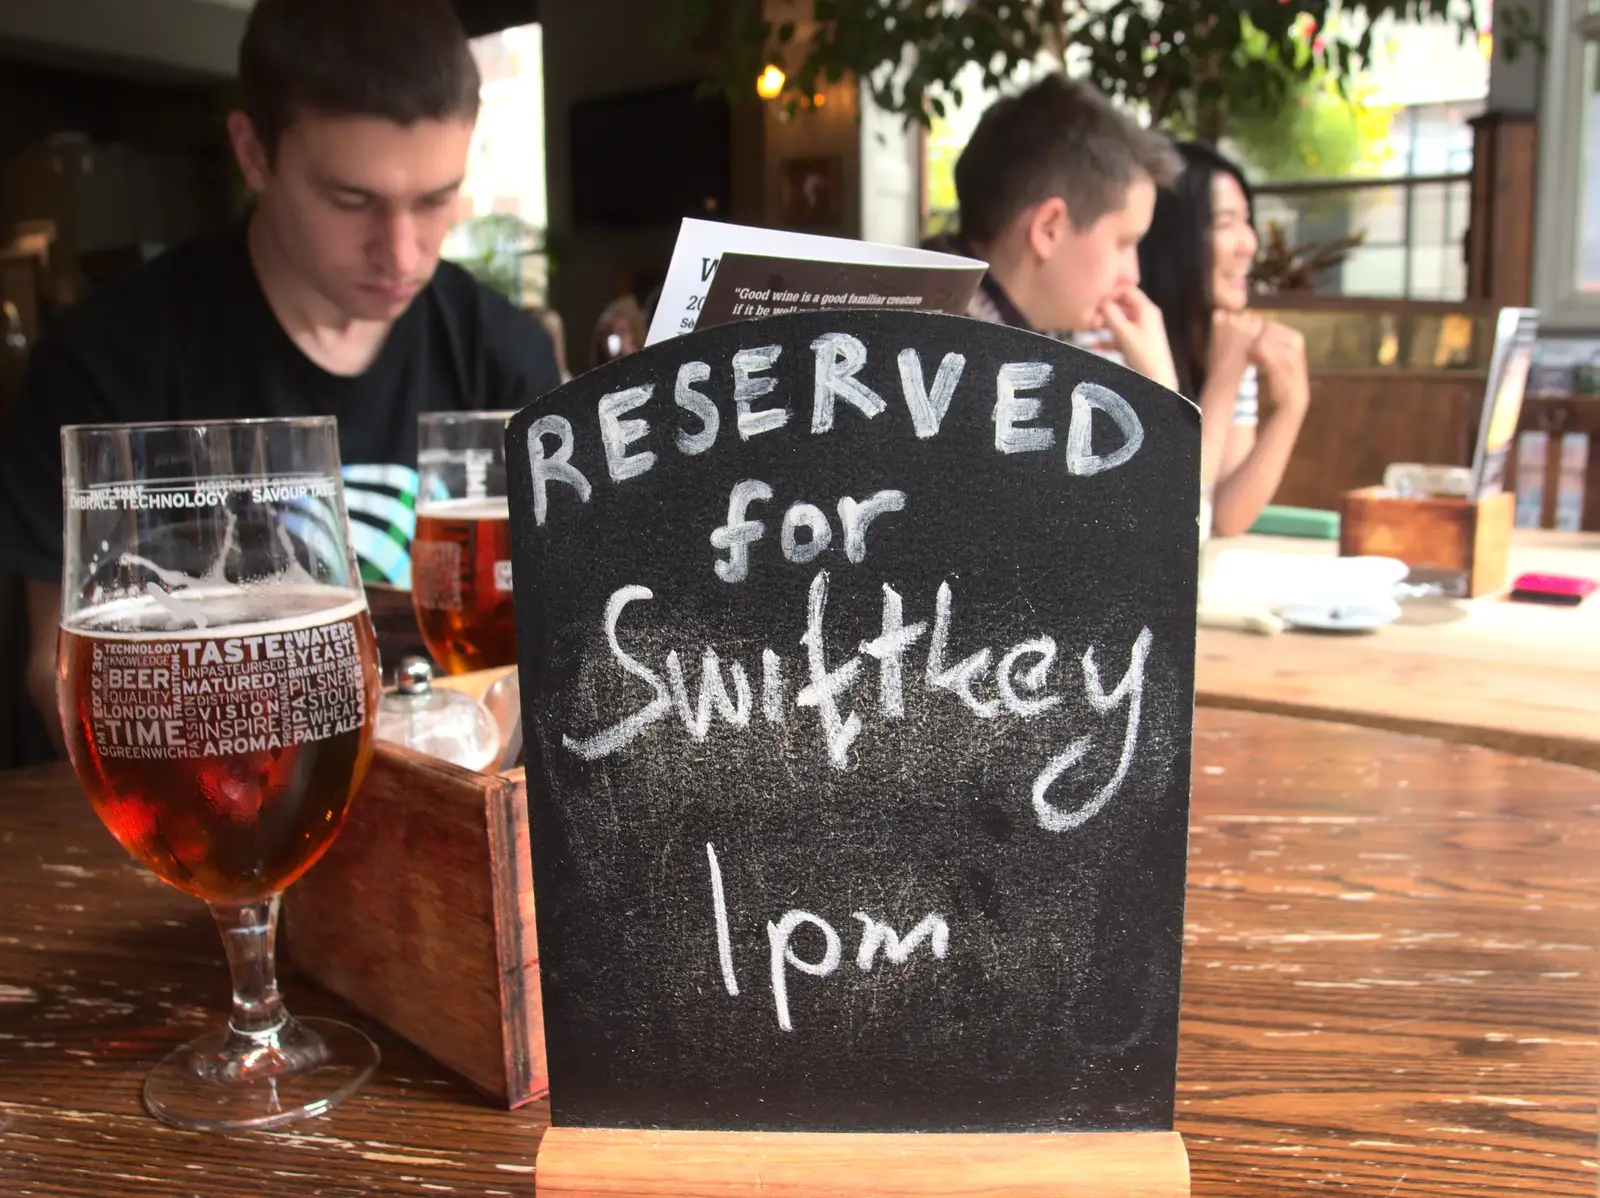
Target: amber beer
{"points": [[224, 757], [461, 583]]}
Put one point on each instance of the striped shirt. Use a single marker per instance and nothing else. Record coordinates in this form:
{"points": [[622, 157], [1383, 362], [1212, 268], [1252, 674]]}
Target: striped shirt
{"points": [[1246, 405]]}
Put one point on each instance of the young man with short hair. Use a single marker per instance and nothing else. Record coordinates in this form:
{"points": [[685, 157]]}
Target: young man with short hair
{"points": [[328, 299], [1056, 187]]}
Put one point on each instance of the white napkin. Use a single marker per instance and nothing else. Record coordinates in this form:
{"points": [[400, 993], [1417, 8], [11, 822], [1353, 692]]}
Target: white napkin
{"points": [[1240, 578]]}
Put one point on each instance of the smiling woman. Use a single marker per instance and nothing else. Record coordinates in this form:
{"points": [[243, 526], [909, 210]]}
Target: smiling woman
{"points": [[1195, 265]]}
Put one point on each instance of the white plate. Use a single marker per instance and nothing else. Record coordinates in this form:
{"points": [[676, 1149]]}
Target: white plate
{"points": [[1340, 617]]}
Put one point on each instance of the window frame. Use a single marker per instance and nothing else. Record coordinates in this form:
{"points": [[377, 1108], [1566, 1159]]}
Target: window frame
{"points": [[1558, 207]]}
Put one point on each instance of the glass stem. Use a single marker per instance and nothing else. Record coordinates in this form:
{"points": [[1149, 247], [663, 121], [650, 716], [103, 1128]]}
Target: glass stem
{"points": [[249, 936]]}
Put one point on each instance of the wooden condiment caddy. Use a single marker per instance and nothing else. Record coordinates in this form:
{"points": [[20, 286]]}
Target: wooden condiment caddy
{"points": [[421, 916], [1472, 537]]}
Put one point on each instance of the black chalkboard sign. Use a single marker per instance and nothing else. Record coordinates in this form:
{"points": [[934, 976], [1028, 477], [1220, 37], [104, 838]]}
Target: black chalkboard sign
{"points": [[857, 657]]}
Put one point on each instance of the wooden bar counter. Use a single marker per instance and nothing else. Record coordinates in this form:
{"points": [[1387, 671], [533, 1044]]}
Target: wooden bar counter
{"points": [[1389, 989]]}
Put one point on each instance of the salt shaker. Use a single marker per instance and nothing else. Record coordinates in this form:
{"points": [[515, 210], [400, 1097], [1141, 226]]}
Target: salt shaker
{"points": [[441, 723]]}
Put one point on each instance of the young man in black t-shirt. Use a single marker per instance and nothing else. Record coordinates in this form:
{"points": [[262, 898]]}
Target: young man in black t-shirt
{"points": [[328, 299]]}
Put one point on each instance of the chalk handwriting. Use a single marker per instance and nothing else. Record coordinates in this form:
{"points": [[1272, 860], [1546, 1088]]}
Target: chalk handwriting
{"points": [[778, 935], [1022, 394], [719, 912], [1006, 679], [1021, 682], [879, 942], [737, 535], [959, 678], [927, 408], [697, 721], [739, 532], [772, 689], [1011, 410], [697, 405], [858, 517], [840, 358], [617, 434], [819, 533], [621, 734], [1130, 691], [827, 686], [555, 467], [1086, 399], [889, 647], [876, 936], [746, 390]]}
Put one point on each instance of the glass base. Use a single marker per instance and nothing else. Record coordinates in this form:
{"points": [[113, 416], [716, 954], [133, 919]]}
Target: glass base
{"points": [[304, 1070]]}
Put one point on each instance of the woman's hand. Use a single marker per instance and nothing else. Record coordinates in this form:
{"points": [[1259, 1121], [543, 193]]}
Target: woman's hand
{"points": [[1234, 336], [1280, 355]]}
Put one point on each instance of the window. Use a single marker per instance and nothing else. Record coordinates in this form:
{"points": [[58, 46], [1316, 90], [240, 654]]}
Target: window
{"points": [[1588, 260], [1567, 228], [503, 201]]}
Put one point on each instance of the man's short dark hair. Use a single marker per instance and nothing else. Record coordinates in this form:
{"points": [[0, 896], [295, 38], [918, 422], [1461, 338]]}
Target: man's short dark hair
{"points": [[1060, 137], [402, 60]]}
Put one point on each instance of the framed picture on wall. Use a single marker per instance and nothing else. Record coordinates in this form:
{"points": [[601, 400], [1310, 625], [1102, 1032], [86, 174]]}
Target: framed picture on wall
{"points": [[811, 192]]}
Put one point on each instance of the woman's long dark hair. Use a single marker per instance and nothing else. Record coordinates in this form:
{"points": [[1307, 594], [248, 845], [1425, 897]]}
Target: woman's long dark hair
{"points": [[1175, 260]]}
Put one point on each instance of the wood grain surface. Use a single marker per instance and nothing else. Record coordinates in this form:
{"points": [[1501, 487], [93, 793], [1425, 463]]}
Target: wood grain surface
{"points": [[1359, 421], [1441, 533], [421, 916], [613, 1163], [1522, 677], [1390, 990]]}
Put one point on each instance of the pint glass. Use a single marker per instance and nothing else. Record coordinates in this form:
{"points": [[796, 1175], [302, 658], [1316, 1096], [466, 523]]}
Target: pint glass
{"points": [[461, 554]]}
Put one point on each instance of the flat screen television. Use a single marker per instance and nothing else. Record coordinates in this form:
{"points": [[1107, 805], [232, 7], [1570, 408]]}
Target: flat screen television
{"points": [[648, 158]]}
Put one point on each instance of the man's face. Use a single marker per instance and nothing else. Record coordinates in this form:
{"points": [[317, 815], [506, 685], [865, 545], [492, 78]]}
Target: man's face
{"points": [[1083, 268], [359, 206]]}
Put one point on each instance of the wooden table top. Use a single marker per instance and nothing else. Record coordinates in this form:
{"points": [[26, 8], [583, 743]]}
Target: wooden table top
{"points": [[1522, 677], [1389, 989]]}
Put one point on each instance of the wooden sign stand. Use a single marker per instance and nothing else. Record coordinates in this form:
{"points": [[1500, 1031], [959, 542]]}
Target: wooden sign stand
{"points": [[613, 1163]]}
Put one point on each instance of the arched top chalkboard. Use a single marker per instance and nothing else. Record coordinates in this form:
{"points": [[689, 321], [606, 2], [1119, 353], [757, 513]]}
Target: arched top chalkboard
{"points": [[857, 669]]}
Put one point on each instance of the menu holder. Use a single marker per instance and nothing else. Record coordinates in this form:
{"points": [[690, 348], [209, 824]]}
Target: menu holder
{"points": [[421, 916], [1469, 537]]}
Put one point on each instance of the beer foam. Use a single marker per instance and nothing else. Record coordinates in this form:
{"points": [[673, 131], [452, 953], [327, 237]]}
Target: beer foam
{"points": [[493, 507], [255, 611]]}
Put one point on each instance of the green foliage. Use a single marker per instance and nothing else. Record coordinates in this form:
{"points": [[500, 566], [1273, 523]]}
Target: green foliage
{"points": [[493, 248], [1319, 132], [1323, 126], [1177, 58]]}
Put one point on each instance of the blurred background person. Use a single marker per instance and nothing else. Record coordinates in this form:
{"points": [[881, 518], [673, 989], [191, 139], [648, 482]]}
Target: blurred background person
{"points": [[557, 328], [1195, 264], [329, 297], [620, 331]]}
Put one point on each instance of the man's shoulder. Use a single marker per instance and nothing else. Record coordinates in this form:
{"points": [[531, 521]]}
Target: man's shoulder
{"points": [[147, 305], [510, 341], [467, 301]]}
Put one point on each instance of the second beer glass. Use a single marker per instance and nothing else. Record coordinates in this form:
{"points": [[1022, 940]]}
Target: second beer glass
{"points": [[461, 555]]}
